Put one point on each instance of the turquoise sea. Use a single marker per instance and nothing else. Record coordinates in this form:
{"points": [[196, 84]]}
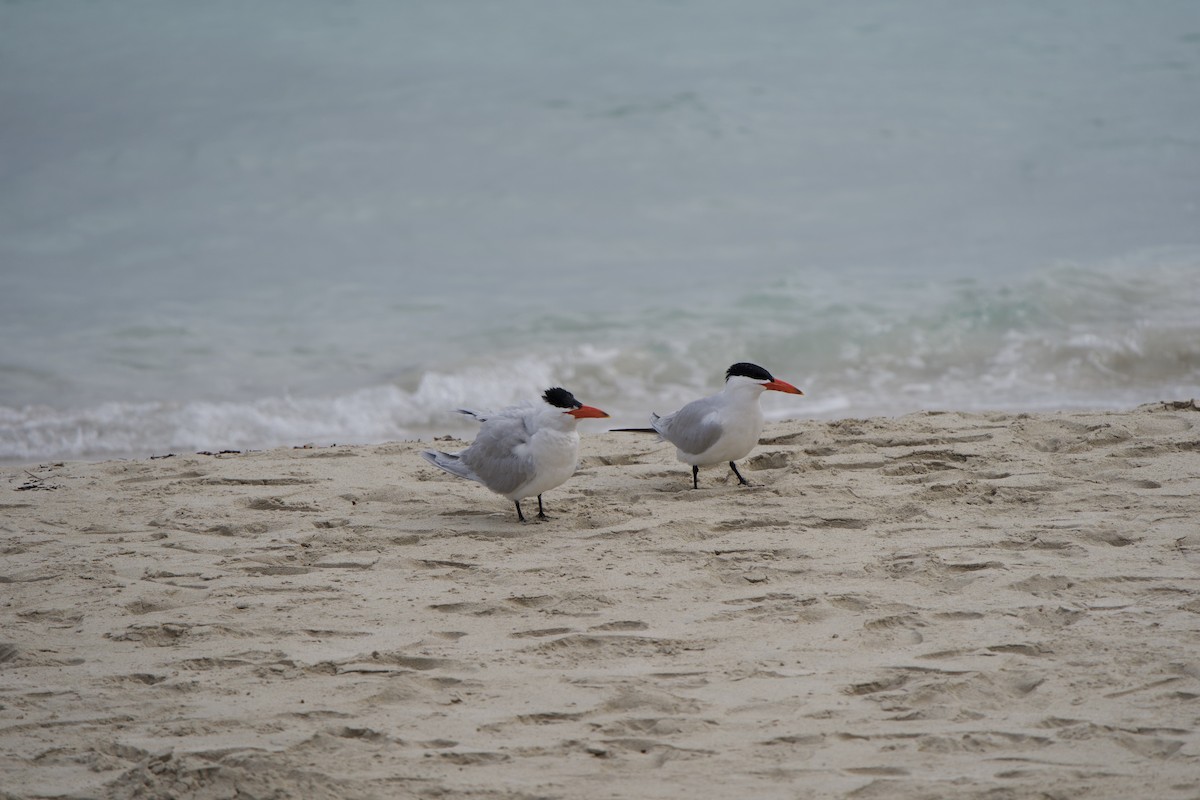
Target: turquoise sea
{"points": [[231, 225]]}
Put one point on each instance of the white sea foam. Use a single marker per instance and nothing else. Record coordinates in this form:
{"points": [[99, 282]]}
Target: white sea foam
{"points": [[1018, 346]]}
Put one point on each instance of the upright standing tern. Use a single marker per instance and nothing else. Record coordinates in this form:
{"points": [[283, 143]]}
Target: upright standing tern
{"points": [[724, 426], [522, 451]]}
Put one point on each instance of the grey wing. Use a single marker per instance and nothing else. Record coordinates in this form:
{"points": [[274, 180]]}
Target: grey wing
{"points": [[450, 462], [499, 456], [693, 428]]}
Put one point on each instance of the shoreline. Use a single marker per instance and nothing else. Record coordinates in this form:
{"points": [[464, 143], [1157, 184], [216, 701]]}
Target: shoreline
{"points": [[455, 427], [937, 603]]}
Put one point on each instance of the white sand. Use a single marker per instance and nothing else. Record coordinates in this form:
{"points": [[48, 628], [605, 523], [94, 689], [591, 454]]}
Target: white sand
{"points": [[942, 605]]}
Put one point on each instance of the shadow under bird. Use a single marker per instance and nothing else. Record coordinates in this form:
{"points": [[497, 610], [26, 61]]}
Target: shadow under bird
{"points": [[721, 427], [524, 450]]}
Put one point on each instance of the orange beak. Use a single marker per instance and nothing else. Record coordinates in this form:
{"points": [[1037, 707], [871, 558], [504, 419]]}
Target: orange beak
{"points": [[584, 412], [782, 386]]}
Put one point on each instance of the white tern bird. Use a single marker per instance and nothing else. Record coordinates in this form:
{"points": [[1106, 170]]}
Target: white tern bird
{"points": [[721, 427], [524, 450]]}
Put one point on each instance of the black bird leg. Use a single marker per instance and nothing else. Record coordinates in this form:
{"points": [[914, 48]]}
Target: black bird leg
{"points": [[695, 476], [520, 516], [743, 481], [541, 513]]}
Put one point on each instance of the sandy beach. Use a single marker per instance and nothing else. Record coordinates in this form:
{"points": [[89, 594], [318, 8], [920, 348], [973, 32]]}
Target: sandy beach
{"points": [[937, 605]]}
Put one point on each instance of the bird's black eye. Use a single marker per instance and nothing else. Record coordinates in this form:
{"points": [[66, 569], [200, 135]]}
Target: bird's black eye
{"points": [[561, 398]]}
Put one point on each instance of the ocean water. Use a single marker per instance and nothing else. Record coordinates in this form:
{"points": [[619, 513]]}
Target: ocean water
{"points": [[231, 225]]}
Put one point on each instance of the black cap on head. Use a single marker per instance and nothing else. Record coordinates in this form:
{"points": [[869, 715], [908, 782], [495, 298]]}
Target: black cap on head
{"points": [[748, 370], [561, 398]]}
